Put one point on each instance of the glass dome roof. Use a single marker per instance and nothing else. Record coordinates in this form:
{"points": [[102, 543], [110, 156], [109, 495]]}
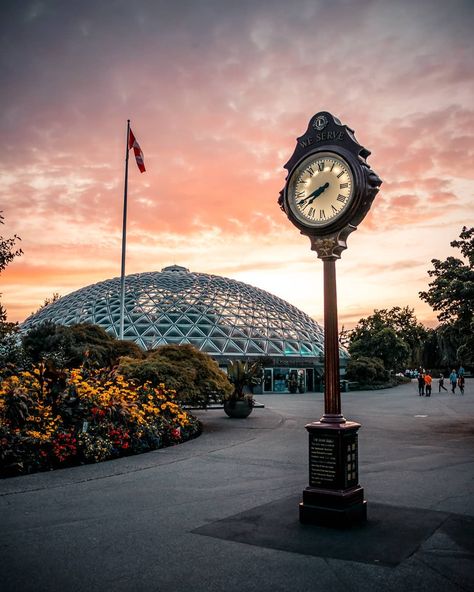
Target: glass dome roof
{"points": [[220, 316]]}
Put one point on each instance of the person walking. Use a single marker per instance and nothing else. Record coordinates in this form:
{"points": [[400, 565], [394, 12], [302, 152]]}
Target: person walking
{"points": [[428, 381], [453, 378], [441, 384], [421, 384], [461, 383]]}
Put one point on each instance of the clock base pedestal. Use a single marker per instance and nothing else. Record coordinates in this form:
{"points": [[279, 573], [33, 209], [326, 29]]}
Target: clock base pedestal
{"points": [[334, 497], [334, 509]]}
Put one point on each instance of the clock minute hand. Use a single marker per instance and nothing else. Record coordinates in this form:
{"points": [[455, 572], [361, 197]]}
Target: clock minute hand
{"points": [[316, 193]]}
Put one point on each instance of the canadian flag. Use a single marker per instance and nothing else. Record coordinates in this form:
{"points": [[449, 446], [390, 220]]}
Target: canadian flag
{"points": [[132, 143]]}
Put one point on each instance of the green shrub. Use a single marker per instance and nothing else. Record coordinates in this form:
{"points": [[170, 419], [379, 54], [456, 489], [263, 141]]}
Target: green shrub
{"points": [[194, 375], [366, 371], [71, 346]]}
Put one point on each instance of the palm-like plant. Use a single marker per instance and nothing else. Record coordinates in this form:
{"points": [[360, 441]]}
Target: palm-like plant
{"points": [[243, 375]]}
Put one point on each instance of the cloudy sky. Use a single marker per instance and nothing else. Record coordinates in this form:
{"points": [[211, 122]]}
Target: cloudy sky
{"points": [[217, 92]]}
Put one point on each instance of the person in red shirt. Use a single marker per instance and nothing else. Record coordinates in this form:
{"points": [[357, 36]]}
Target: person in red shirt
{"points": [[428, 381]]}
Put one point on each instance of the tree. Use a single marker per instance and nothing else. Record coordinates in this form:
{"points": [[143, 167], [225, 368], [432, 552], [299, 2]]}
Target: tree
{"points": [[403, 323], [380, 342], [8, 252], [392, 335], [7, 248], [194, 375], [407, 327], [451, 294]]}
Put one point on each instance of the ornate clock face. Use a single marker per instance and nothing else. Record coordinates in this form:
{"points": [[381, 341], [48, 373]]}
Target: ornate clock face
{"points": [[320, 189]]}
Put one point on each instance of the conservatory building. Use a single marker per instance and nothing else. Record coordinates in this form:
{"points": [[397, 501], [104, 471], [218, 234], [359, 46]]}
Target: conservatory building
{"points": [[225, 318]]}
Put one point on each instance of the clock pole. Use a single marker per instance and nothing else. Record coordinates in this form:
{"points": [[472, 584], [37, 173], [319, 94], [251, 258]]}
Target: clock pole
{"points": [[334, 496], [330, 166], [332, 393]]}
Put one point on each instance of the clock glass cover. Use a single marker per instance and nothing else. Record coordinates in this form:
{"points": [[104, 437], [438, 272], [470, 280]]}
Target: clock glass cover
{"points": [[320, 189]]}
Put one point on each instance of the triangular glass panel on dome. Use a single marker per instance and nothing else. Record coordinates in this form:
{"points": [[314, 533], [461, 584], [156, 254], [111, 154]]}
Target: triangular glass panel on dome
{"points": [[273, 349], [150, 331], [240, 343], [291, 348], [217, 332], [237, 332], [195, 332], [175, 340], [185, 320], [210, 347], [205, 321], [252, 348], [231, 348], [274, 335], [196, 342], [219, 342], [104, 319], [130, 332], [241, 322], [205, 329], [173, 332], [194, 316]]}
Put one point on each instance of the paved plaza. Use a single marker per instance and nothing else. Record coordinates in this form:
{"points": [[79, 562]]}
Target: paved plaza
{"points": [[220, 513]]}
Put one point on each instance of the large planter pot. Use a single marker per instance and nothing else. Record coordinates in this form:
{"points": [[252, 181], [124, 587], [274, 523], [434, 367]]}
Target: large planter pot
{"points": [[239, 409]]}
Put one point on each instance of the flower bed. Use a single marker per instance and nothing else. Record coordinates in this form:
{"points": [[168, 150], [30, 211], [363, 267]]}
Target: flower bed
{"points": [[48, 421]]}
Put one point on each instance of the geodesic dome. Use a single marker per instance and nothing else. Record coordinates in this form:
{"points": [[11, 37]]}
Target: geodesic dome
{"points": [[220, 316]]}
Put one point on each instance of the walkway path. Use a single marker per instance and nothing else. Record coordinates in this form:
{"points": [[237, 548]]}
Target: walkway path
{"points": [[171, 520]]}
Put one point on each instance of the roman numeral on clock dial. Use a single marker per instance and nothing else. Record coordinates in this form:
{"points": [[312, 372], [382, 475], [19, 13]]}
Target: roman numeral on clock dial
{"points": [[321, 188]]}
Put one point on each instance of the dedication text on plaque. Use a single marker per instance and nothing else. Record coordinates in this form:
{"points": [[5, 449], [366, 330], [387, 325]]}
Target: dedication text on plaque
{"points": [[323, 457]]}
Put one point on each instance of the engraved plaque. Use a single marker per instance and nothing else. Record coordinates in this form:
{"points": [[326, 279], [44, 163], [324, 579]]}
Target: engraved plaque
{"points": [[323, 460]]}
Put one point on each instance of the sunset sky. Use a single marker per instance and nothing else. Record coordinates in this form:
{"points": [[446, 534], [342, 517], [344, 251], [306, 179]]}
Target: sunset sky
{"points": [[217, 92]]}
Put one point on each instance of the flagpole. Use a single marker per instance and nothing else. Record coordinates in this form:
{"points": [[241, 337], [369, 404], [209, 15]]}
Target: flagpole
{"points": [[124, 237]]}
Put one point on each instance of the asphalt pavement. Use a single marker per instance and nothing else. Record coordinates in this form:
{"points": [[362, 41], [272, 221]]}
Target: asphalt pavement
{"points": [[220, 513]]}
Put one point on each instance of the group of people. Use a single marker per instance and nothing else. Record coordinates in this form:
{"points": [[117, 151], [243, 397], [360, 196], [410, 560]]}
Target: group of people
{"points": [[424, 383], [456, 379]]}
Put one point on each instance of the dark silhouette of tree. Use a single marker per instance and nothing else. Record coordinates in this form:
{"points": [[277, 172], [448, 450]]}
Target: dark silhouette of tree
{"points": [[8, 252], [451, 294], [393, 336]]}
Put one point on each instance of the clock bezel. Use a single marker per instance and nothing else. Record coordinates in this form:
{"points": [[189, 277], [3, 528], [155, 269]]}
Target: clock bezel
{"points": [[350, 211], [292, 182]]}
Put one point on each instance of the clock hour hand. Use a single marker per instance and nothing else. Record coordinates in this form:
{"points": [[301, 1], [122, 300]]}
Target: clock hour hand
{"points": [[316, 193]]}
